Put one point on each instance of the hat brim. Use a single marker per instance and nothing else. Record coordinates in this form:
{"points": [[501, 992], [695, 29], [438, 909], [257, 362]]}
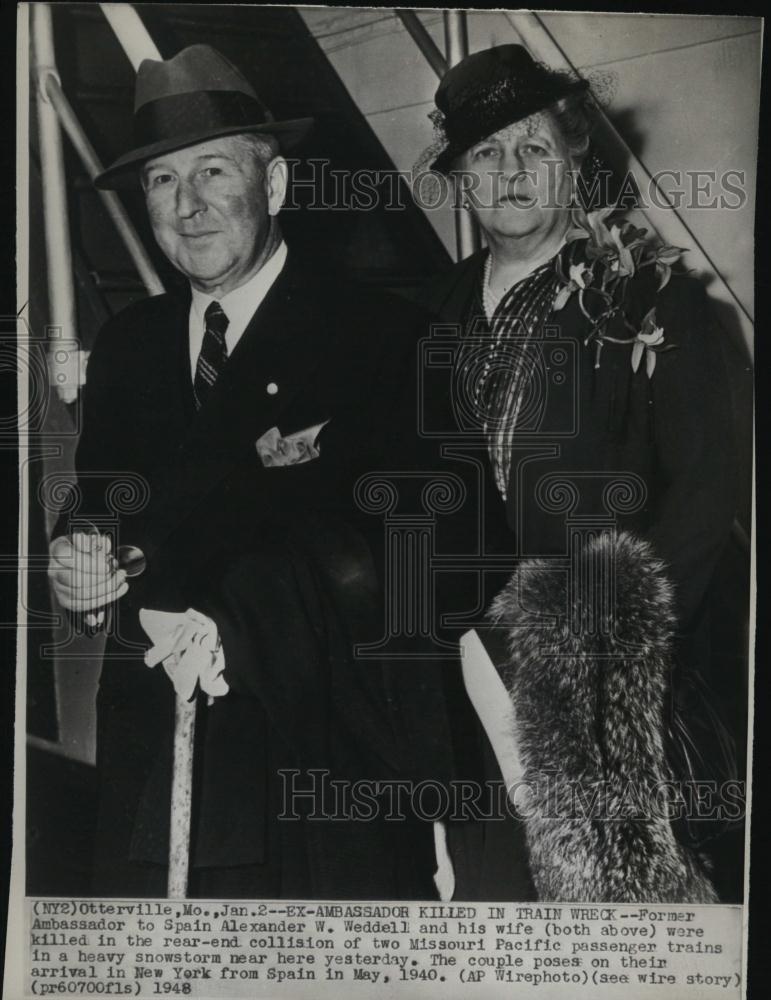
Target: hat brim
{"points": [[443, 163], [123, 172]]}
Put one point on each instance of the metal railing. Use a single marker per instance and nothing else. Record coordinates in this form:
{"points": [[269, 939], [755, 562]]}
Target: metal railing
{"points": [[66, 359], [133, 36], [467, 238], [93, 167], [661, 215], [424, 41]]}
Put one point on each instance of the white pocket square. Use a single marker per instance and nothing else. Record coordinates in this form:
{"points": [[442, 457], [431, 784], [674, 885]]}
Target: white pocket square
{"points": [[293, 449]]}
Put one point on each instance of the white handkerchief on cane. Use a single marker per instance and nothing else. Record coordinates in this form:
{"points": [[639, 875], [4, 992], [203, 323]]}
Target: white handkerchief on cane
{"points": [[188, 645]]}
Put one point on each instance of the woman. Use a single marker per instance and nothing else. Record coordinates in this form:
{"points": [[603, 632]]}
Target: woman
{"points": [[596, 385]]}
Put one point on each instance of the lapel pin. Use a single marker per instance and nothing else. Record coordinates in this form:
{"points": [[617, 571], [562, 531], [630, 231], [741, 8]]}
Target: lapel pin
{"points": [[271, 388]]}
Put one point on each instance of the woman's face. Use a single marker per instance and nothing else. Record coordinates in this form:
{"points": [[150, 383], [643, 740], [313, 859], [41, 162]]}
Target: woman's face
{"points": [[517, 181]]}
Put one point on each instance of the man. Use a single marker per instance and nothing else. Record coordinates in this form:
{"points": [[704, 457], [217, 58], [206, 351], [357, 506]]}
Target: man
{"points": [[246, 410]]}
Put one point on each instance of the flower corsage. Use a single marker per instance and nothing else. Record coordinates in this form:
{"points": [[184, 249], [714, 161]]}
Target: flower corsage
{"points": [[600, 279]]}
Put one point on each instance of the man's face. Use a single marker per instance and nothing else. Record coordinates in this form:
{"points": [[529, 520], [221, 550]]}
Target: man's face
{"points": [[210, 207]]}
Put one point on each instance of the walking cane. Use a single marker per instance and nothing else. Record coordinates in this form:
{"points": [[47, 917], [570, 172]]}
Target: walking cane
{"points": [[181, 797], [167, 630], [155, 624], [182, 767], [133, 561]]}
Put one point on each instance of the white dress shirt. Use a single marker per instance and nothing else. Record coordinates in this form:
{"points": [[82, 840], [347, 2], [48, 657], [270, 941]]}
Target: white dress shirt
{"points": [[239, 306]]}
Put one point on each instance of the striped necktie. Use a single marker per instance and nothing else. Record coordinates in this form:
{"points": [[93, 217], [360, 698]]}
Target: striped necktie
{"points": [[214, 352]]}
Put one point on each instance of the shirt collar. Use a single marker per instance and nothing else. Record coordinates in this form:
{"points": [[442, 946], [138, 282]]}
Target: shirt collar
{"points": [[240, 304]]}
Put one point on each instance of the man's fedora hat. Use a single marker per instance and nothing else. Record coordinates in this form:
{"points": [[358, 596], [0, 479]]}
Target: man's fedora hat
{"points": [[195, 96], [489, 90]]}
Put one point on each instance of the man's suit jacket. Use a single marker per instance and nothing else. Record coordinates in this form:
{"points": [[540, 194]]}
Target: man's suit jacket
{"points": [[280, 557]]}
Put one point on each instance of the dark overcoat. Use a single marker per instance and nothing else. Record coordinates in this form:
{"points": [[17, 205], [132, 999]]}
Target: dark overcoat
{"points": [[285, 563], [674, 432], [654, 455]]}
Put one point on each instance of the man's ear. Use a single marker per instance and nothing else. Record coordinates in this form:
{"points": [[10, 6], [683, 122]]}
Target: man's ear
{"points": [[276, 181]]}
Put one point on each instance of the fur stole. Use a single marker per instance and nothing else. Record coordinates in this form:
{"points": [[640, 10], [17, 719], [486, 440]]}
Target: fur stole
{"points": [[587, 676]]}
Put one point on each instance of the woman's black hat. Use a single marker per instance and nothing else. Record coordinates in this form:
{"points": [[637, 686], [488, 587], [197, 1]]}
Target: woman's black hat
{"points": [[491, 89]]}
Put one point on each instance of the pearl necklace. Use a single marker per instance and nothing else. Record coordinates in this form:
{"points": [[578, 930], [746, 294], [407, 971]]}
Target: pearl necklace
{"points": [[490, 301]]}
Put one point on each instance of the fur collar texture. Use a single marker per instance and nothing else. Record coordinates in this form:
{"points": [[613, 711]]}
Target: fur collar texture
{"points": [[589, 664]]}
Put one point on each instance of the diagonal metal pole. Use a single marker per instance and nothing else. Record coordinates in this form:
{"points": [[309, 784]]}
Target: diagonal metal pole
{"points": [[456, 46], [65, 357], [423, 40], [69, 122], [135, 40]]}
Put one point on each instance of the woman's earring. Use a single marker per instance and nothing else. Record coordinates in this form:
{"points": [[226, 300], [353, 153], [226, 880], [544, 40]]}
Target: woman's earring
{"points": [[466, 204]]}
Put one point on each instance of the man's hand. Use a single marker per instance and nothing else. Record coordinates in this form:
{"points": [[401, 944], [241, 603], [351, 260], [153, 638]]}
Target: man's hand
{"points": [[189, 647], [83, 572]]}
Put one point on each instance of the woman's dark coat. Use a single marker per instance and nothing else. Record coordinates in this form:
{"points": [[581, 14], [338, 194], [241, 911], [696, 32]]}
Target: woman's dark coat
{"points": [[655, 455]]}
